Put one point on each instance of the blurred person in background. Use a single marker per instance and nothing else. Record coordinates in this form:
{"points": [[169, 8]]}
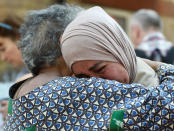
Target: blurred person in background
{"points": [[9, 53], [9, 36], [146, 34]]}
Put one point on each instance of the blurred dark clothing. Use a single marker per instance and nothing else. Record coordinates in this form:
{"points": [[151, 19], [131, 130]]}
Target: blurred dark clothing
{"points": [[157, 55], [141, 54], [156, 47], [170, 56]]}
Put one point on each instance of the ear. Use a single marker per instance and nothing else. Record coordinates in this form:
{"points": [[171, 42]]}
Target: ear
{"points": [[137, 32], [134, 34]]}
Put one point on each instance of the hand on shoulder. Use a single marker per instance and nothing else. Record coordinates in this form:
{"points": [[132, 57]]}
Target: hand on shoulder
{"points": [[153, 64]]}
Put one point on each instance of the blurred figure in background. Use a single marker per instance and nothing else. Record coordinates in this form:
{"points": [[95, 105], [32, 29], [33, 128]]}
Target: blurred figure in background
{"points": [[9, 37], [9, 53], [146, 34]]}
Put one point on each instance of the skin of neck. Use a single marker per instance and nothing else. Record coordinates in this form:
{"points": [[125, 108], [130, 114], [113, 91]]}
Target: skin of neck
{"points": [[50, 70], [150, 31], [45, 75], [60, 69]]}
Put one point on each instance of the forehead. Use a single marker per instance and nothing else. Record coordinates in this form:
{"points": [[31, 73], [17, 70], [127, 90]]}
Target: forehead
{"points": [[84, 64]]}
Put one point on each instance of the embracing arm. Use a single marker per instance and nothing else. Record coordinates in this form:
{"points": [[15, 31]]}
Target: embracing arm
{"points": [[153, 64], [94, 100], [149, 107]]}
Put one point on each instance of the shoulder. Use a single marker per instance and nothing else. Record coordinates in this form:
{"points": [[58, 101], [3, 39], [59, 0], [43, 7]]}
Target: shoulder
{"points": [[170, 56], [13, 89]]}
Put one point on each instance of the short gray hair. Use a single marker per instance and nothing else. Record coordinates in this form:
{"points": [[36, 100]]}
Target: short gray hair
{"points": [[40, 34], [147, 18]]}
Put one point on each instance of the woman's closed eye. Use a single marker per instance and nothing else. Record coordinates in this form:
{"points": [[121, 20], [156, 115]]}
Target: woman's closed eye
{"points": [[82, 76], [99, 70], [98, 67]]}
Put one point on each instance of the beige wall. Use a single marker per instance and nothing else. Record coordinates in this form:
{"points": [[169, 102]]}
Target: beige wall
{"points": [[168, 27], [20, 7]]}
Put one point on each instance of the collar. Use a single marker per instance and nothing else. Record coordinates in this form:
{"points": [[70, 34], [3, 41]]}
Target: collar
{"points": [[154, 36], [154, 41]]}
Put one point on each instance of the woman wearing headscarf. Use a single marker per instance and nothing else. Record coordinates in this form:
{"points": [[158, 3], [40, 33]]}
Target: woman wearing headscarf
{"points": [[100, 38], [94, 45]]}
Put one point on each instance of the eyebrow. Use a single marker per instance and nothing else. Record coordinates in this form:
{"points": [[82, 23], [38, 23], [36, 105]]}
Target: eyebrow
{"points": [[93, 68]]}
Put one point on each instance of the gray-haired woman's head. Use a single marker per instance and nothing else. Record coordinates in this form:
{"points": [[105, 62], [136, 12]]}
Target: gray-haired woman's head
{"points": [[40, 35]]}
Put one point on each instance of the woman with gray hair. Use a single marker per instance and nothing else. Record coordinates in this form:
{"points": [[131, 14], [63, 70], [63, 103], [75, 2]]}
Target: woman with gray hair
{"points": [[41, 53], [41, 33]]}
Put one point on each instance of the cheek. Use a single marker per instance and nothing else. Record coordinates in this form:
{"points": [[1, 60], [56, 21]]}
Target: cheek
{"points": [[9, 49], [111, 75], [79, 68], [14, 51], [117, 74]]}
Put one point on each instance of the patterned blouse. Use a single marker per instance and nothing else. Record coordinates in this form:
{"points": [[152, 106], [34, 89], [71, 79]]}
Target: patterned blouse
{"points": [[92, 104]]}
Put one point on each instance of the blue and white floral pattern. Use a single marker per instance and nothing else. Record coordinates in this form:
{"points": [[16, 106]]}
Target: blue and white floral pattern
{"points": [[69, 103]]}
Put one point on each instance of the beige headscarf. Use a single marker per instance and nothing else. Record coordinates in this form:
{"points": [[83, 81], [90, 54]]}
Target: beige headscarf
{"points": [[94, 35]]}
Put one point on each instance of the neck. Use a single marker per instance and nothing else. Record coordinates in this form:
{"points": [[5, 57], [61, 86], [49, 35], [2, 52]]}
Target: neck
{"points": [[50, 71], [151, 31]]}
